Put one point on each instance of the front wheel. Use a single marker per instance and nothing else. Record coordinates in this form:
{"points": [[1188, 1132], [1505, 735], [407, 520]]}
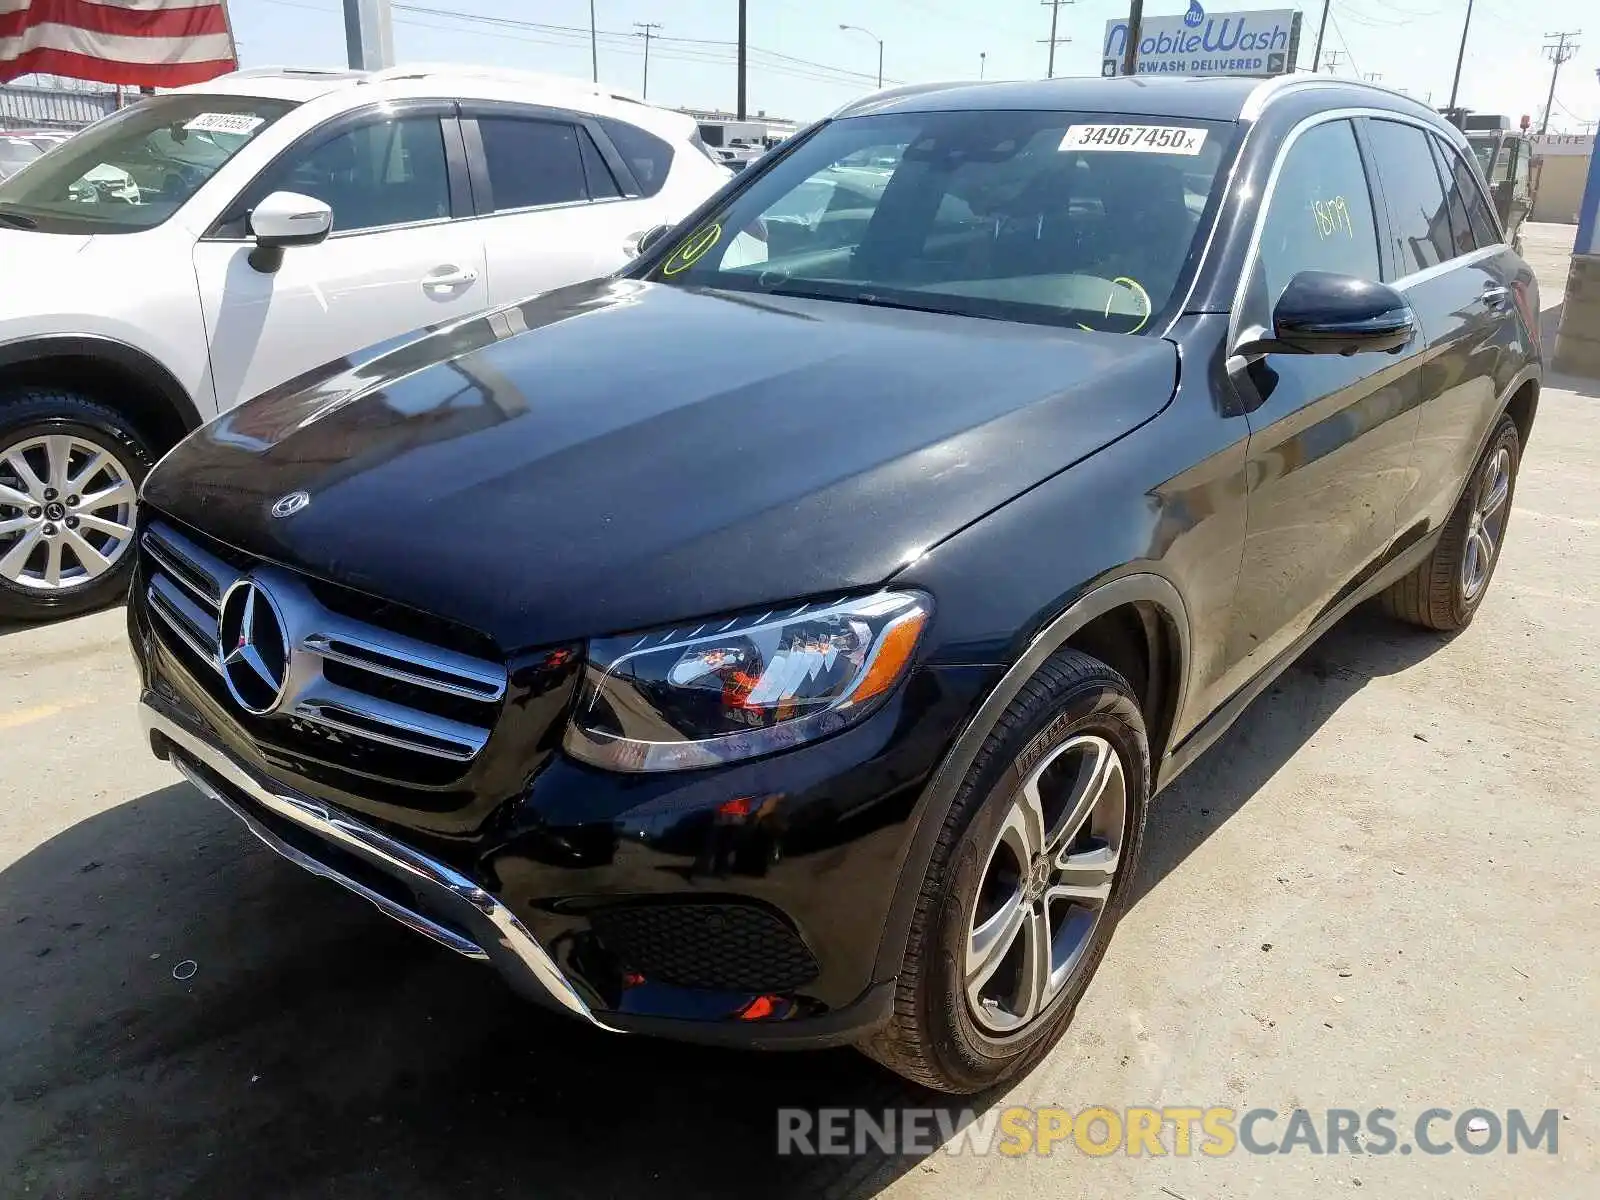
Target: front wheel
{"points": [[69, 476], [1031, 871]]}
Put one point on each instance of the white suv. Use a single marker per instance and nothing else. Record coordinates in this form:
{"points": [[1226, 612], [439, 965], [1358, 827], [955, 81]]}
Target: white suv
{"points": [[205, 245]]}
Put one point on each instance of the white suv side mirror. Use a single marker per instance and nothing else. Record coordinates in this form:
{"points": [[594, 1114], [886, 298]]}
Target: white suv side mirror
{"points": [[286, 219]]}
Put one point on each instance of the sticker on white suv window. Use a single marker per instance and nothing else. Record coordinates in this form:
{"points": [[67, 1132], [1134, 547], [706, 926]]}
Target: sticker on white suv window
{"points": [[224, 123], [1136, 139]]}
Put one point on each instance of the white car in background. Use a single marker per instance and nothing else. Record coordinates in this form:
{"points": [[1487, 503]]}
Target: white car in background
{"points": [[205, 245]]}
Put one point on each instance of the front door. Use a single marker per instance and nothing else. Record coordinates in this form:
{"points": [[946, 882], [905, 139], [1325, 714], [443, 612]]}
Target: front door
{"points": [[1330, 436], [395, 262]]}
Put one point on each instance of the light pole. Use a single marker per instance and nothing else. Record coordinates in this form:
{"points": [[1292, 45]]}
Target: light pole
{"points": [[983, 62], [875, 38]]}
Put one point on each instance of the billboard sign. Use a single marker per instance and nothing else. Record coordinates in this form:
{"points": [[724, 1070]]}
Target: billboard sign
{"points": [[1198, 42]]}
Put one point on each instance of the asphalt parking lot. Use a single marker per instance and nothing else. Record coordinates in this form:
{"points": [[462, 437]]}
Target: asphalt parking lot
{"points": [[1381, 889]]}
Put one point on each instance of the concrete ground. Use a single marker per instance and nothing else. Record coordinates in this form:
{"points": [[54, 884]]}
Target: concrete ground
{"points": [[1409, 822]]}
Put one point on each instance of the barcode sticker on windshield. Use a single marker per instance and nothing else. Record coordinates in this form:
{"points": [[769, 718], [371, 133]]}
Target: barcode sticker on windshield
{"points": [[1137, 139], [223, 123]]}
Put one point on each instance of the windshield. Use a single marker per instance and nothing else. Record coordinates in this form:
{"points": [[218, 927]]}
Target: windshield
{"points": [[1057, 218], [137, 167]]}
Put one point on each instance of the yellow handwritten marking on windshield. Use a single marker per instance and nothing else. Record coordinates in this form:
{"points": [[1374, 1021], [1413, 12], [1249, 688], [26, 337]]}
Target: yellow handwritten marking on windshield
{"points": [[1332, 216], [1133, 286], [686, 255]]}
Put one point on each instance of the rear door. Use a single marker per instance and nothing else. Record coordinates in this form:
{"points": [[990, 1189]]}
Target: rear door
{"points": [[1330, 436], [1460, 280], [556, 204], [400, 257]]}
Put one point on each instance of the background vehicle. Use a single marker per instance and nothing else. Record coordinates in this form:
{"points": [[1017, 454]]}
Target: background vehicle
{"points": [[204, 245], [16, 153], [1505, 156], [820, 698]]}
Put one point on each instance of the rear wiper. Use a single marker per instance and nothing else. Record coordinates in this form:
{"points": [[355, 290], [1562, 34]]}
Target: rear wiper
{"points": [[18, 220]]}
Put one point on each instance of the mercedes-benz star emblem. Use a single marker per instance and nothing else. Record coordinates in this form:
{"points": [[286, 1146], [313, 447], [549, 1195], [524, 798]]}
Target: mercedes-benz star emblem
{"points": [[254, 647], [287, 506]]}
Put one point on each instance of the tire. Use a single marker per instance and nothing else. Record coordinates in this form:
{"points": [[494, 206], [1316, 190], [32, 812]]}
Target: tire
{"points": [[1062, 722], [42, 429], [1437, 595]]}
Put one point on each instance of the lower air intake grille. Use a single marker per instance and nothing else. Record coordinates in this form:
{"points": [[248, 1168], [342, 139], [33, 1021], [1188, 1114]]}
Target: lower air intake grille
{"points": [[728, 947]]}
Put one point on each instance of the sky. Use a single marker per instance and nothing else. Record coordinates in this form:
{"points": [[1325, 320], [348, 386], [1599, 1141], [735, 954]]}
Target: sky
{"points": [[802, 65]]}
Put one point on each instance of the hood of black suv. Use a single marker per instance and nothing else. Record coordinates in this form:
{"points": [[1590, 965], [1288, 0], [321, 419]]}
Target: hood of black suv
{"points": [[619, 454]]}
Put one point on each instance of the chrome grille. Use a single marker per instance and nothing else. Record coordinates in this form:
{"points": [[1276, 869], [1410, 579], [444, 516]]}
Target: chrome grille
{"points": [[389, 689]]}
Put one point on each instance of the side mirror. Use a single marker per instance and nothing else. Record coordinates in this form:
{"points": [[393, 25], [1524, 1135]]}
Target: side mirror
{"points": [[285, 219], [1323, 313], [653, 235]]}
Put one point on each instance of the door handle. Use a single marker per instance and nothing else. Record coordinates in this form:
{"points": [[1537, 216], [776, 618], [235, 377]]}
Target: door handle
{"points": [[1494, 296], [449, 277]]}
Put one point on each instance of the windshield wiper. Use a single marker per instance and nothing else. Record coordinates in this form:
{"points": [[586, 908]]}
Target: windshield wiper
{"points": [[17, 219], [870, 299]]}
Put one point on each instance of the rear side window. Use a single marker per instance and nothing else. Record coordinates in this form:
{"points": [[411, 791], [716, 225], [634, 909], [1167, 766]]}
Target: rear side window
{"points": [[1455, 202], [602, 184], [1418, 210], [1320, 215], [1485, 228], [532, 162], [1480, 218], [647, 156]]}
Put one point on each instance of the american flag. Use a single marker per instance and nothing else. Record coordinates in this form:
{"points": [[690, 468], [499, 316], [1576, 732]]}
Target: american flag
{"points": [[140, 43]]}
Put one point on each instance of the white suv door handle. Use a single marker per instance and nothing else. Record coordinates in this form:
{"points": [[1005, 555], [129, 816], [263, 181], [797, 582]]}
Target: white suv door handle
{"points": [[450, 276]]}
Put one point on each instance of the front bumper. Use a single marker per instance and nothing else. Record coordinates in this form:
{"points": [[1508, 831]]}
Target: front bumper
{"points": [[421, 893]]}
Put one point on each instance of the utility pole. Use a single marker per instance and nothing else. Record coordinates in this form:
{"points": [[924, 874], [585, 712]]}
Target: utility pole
{"points": [[1455, 82], [594, 45], [1316, 55], [1558, 52], [741, 58], [1373, 76], [1331, 58], [1053, 40], [368, 35], [1130, 52], [646, 30]]}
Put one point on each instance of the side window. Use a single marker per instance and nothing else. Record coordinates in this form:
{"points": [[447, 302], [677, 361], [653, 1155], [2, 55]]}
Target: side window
{"points": [[532, 162], [1320, 216], [1461, 237], [1416, 199], [386, 173], [602, 184], [647, 156], [1485, 229]]}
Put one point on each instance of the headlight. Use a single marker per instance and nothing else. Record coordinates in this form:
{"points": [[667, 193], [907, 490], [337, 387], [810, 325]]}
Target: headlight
{"points": [[701, 695]]}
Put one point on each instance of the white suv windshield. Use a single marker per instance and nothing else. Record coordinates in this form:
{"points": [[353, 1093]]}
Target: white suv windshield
{"points": [[136, 168], [1084, 219]]}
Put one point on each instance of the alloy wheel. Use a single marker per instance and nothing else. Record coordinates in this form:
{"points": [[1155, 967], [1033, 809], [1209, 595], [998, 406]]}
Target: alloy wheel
{"points": [[1487, 524], [1046, 884], [66, 512]]}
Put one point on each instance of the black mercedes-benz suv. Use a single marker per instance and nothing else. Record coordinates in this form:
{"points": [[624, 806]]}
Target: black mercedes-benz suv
{"points": [[779, 643]]}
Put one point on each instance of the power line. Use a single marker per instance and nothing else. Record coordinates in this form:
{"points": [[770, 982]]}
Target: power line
{"points": [[1053, 41], [1330, 59], [646, 31], [1345, 42], [1558, 51]]}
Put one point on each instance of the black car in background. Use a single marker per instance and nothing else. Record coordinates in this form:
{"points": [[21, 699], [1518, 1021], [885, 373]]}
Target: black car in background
{"points": [[816, 694]]}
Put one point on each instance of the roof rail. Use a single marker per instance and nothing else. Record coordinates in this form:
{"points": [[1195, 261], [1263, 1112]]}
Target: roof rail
{"points": [[561, 83], [329, 73]]}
